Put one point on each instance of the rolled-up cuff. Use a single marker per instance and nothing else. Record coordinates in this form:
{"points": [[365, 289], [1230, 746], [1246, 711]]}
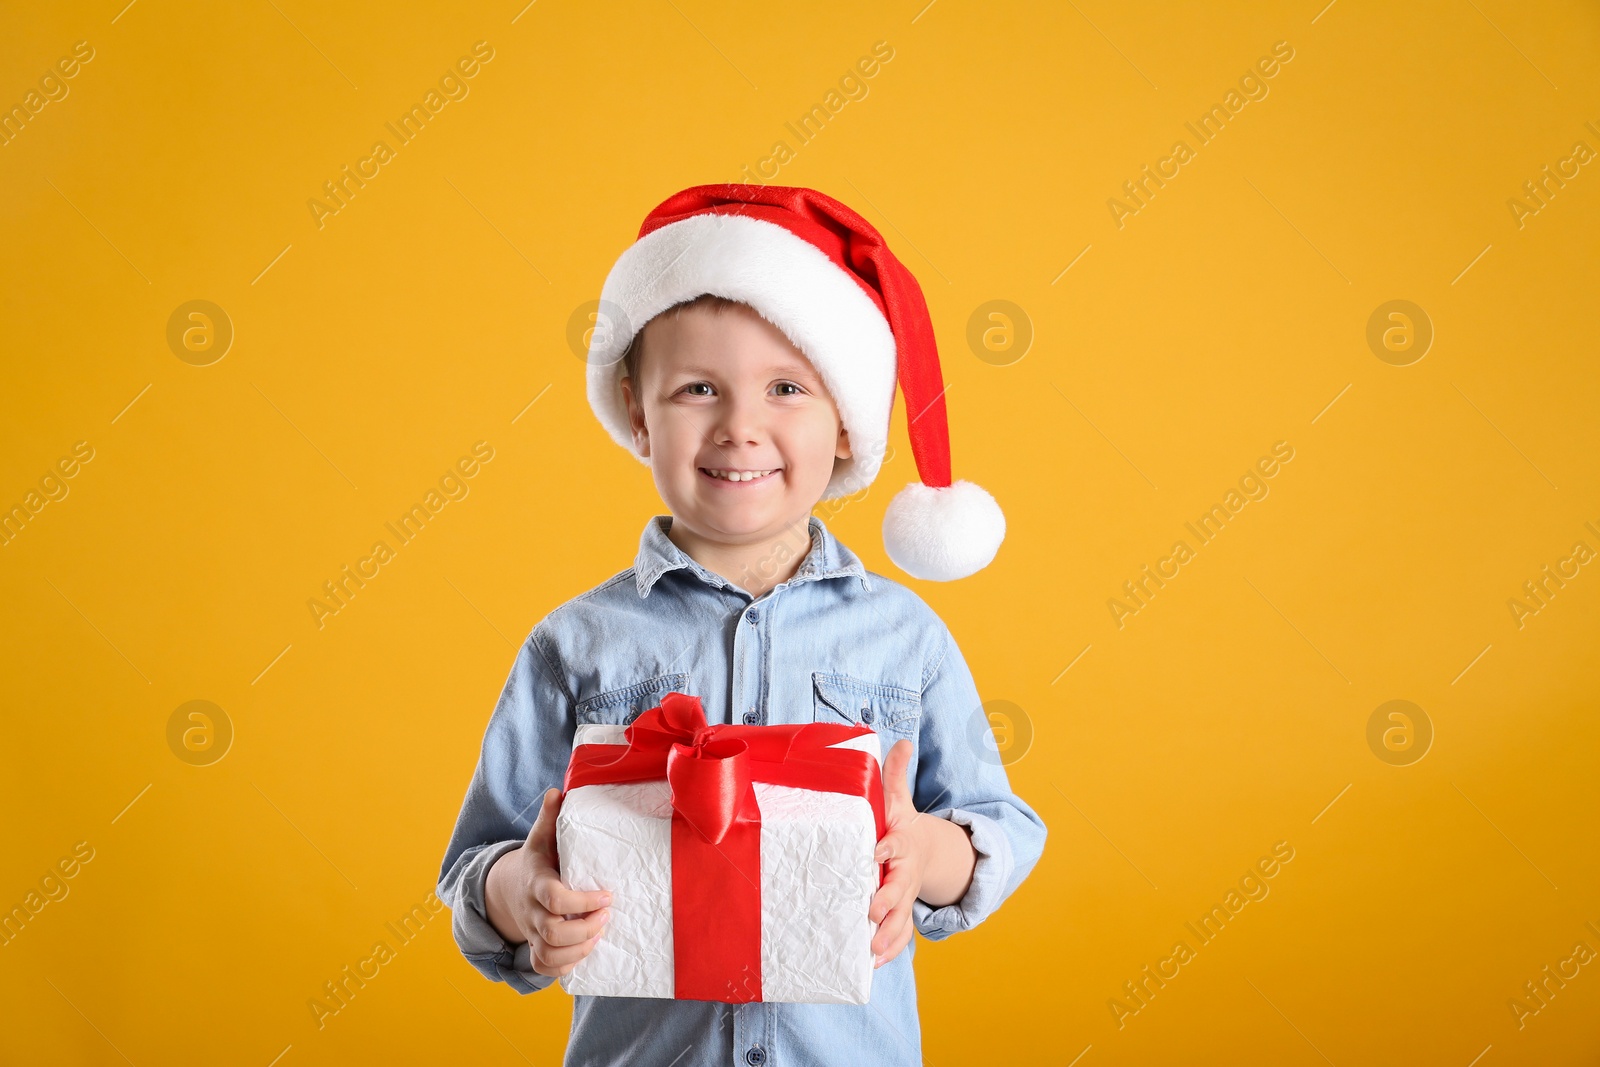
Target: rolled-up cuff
{"points": [[990, 873], [493, 956]]}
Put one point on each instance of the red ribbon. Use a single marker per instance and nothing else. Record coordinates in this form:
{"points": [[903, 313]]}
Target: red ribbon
{"points": [[716, 824]]}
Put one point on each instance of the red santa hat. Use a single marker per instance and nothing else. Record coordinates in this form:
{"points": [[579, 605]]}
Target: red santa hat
{"points": [[824, 276]]}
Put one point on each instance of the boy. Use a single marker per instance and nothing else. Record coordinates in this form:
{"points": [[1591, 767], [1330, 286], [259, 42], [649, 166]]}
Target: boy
{"points": [[774, 325]]}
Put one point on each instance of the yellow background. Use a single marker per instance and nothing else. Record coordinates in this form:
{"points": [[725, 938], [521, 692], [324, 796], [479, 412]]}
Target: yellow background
{"points": [[1228, 314]]}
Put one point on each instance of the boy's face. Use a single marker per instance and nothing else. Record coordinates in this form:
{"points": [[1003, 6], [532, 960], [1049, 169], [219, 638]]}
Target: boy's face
{"points": [[725, 390]]}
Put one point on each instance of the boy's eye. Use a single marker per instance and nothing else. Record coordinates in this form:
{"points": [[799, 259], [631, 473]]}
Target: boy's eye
{"points": [[798, 390]]}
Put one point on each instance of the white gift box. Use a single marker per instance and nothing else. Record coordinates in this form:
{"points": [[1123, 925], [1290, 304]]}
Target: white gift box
{"points": [[817, 881]]}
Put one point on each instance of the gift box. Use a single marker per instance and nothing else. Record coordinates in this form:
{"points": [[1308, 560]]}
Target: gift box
{"points": [[739, 858]]}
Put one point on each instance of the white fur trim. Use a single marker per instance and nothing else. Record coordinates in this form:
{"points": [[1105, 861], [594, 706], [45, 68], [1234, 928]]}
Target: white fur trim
{"points": [[943, 534], [793, 284]]}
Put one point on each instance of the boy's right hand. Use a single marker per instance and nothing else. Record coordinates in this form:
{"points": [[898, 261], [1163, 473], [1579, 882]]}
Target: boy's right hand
{"points": [[527, 901]]}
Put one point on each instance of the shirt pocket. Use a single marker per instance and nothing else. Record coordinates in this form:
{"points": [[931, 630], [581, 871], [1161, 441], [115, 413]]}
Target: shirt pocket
{"points": [[627, 703], [891, 710]]}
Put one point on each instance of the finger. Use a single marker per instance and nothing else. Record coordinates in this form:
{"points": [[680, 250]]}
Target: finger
{"points": [[894, 924], [557, 897], [892, 894], [558, 932], [895, 889], [884, 900], [558, 961], [895, 781], [894, 845], [898, 942], [542, 834]]}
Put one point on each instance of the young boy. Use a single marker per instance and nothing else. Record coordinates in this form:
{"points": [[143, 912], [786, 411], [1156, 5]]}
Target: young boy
{"points": [[753, 336]]}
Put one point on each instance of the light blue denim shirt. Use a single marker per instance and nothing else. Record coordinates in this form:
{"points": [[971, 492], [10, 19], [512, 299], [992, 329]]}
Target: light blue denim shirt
{"points": [[834, 643]]}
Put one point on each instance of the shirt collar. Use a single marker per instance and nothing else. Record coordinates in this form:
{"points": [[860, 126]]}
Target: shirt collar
{"points": [[827, 558]]}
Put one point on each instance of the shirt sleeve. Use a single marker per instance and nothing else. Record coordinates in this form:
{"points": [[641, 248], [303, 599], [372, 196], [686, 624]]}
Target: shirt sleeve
{"points": [[525, 751], [960, 777]]}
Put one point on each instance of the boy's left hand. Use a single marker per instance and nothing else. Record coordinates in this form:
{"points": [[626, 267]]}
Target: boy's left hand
{"points": [[930, 859]]}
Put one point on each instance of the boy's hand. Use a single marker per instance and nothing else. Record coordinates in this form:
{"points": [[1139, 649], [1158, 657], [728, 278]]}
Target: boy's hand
{"points": [[929, 858], [526, 900]]}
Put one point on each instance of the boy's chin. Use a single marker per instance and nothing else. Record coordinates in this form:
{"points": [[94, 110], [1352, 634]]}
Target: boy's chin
{"points": [[740, 518]]}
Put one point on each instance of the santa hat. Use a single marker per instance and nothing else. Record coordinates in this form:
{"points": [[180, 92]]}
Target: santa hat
{"points": [[820, 273]]}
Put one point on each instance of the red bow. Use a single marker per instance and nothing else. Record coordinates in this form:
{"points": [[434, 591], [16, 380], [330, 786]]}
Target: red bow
{"points": [[716, 823]]}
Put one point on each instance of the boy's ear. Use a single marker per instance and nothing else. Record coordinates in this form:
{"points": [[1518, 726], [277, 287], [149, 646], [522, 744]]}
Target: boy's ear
{"points": [[844, 450], [641, 433]]}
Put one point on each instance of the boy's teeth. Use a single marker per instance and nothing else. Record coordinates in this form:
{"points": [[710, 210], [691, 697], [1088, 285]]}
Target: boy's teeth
{"points": [[738, 476]]}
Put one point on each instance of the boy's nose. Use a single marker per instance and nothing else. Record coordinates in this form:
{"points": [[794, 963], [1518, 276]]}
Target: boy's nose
{"points": [[738, 422]]}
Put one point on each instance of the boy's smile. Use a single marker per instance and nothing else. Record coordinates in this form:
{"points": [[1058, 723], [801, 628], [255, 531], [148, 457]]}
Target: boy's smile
{"points": [[741, 434], [732, 477]]}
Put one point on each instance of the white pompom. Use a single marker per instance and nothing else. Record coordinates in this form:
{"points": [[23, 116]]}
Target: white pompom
{"points": [[943, 534]]}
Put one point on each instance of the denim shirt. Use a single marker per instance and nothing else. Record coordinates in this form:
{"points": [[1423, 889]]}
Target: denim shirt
{"points": [[834, 643]]}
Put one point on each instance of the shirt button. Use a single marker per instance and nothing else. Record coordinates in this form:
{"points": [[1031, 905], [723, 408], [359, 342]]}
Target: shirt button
{"points": [[755, 1056], [866, 716], [755, 617], [751, 718]]}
